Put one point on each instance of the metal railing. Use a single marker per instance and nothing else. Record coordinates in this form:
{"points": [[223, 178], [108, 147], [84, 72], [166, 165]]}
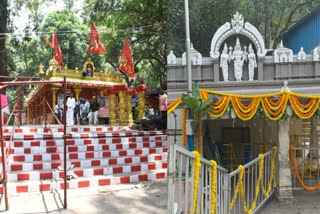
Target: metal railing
{"points": [[307, 164], [246, 188], [252, 184]]}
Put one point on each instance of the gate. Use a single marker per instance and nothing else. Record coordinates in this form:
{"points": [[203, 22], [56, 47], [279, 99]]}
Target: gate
{"points": [[196, 185]]}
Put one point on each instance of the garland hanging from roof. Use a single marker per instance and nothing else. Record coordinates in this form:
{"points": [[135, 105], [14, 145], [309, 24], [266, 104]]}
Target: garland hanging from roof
{"points": [[274, 105]]}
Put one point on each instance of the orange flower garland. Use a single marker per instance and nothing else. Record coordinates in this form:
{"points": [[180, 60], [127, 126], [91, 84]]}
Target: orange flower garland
{"points": [[184, 126], [174, 104], [242, 111], [299, 110], [296, 171], [276, 112], [274, 108]]}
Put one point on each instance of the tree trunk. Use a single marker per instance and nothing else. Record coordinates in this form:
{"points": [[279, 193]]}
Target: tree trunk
{"points": [[3, 30], [267, 25]]}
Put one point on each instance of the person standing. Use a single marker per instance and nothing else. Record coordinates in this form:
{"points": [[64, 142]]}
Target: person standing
{"points": [[94, 106], [71, 103], [163, 108]]}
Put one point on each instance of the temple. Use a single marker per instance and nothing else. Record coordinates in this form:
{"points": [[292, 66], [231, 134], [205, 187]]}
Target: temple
{"points": [[114, 94]]}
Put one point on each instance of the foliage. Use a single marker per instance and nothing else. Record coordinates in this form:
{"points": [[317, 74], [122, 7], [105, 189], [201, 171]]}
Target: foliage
{"points": [[194, 104], [272, 18], [143, 22]]}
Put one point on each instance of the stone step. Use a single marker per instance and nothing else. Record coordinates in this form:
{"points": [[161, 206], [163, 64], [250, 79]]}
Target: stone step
{"points": [[83, 135], [29, 164], [60, 142], [86, 172], [56, 128], [17, 152], [83, 182]]}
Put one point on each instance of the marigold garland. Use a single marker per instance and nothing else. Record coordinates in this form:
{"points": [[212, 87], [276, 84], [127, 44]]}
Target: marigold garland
{"points": [[236, 191], [174, 104], [197, 166], [184, 126], [296, 171], [279, 110], [258, 182], [274, 109], [242, 113], [213, 186], [304, 113], [272, 177]]}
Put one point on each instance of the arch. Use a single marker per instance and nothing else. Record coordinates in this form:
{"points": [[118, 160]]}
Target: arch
{"points": [[237, 27]]}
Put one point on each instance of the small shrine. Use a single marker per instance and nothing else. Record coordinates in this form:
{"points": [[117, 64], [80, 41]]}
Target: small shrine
{"points": [[114, 96]]}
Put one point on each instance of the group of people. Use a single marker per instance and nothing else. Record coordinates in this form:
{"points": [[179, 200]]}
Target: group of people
{"points": [[78, 112]]}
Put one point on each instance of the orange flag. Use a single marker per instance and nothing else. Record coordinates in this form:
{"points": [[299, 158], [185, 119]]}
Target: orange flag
{"points": [[56, 48], [126, 64], [95, 46]]}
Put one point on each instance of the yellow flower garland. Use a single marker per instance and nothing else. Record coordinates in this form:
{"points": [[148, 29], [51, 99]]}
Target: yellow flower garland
{"points": [[254, 203], [273, 172], [184, 126], [213, 186], [197, 166], [174, 104], [274, 110], [236, 191]]}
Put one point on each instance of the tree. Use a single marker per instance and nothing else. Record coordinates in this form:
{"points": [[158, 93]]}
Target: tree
{"points": [[3, 31], [143, 22], [272, 18], [198, 109]]}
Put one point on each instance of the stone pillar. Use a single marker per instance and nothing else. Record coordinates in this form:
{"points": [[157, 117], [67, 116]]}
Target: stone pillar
{"points": [[54, 91], [123, 116], [77, 92], [216, 71], [141, 105], [260, 69], [284, 192], [113, 113], [129, 104]]}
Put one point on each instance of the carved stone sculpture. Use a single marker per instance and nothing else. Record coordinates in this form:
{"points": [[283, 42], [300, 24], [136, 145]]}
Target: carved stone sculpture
{"points": [[301, 54], [316, 54], [252, 62], [238, 57], [171, 58], [224, 60]]}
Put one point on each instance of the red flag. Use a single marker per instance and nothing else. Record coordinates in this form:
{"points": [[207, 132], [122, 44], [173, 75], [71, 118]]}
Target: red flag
{"points": [[56, 48], [95, 47], [126, 64]]}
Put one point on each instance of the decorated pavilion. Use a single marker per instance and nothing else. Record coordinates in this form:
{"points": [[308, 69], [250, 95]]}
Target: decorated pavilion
{"points": [[85, 83]]}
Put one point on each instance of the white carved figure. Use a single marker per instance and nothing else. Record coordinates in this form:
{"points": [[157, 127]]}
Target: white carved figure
{"points": [[301, 54], [252, 62], [224, 60], [237, 22], [171, 58], [238, 57], [282, 54], [316, 54]]}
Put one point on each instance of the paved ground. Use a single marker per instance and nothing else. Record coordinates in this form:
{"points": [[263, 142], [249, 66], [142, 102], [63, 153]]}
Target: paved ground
{"points": [[304, 203], [142, 198]]}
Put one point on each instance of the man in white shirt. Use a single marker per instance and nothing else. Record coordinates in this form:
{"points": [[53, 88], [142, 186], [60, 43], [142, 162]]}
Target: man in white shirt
{"points": [[71, 103]]}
